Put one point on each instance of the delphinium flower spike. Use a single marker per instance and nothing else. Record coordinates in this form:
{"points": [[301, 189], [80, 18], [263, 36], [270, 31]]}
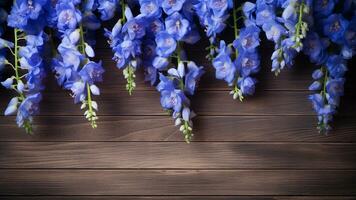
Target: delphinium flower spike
{"points": [[237, 61], [73, 66], [329, 47], [169, 25], [286, 31], [27, 63], [125, 41]]}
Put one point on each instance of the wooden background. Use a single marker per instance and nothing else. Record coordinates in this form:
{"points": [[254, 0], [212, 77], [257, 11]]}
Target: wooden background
{"points": [[264, 148]]}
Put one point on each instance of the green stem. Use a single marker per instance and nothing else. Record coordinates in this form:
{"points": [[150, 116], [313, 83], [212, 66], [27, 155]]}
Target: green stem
{"points": [[181, 83], [16, 62], [82, 41], [178, 53], [16, 56], [234, 13], [300, 17], [324, 83], [236, 30], [123, 8], [89, 98], [27, 124]]}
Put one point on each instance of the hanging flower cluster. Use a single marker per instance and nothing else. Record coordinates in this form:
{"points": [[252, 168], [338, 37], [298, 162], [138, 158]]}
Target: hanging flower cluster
{"points": [[152, 35], [73, 67], [27, 20], [329, 44]]}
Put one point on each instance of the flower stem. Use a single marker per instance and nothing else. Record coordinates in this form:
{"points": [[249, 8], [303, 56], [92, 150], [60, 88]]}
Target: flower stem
{"points": [[322, 126], [90, 107], [27, 123], [129, 74], [91, 116], [123, 8], [16, 56], [82, 42]]}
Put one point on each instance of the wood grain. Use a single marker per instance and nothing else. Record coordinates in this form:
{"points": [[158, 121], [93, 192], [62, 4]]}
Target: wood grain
{"points": [[178, 197], [177, 182], [161, 128], [151, 155], [113, 102]]}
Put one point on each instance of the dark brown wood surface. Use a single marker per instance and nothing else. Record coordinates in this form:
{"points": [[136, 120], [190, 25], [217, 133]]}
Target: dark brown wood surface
{"points": [[266, 148]]}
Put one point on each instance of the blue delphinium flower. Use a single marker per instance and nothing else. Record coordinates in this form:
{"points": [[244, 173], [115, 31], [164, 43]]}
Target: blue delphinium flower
{"points": [[287, 31], [31, 16], [192, 77], [107, 9], [162, 46], [73, 67], [323, 8], [177, 25], [224, 66], [150, 8], [166, 44], [27, 82], [238, 61], [169, 6], [212, 15], [174, 87], [28, 18], [68, 16], [328, 85], [334, 27], [125, 40]]}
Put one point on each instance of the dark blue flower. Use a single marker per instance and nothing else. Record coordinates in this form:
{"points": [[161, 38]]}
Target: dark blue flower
{"points": [[335, 87], [334, 27], [151, 75], [314, 47], [91, 72], [155, 27], [247, 85], [323, 7], [336, 66]]}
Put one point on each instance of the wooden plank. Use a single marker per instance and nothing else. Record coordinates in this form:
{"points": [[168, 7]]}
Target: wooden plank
{"points": [[178, 197], [177, 182], [153, 155], [113, 102], [161, 128]]}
